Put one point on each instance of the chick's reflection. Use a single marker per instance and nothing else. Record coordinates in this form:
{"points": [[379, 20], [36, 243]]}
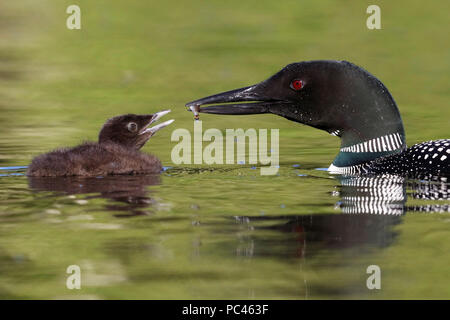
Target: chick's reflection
{"points": [[130, 189]]}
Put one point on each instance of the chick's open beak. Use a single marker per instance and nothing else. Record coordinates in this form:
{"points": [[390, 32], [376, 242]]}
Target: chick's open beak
{"points": [[156, 117]]}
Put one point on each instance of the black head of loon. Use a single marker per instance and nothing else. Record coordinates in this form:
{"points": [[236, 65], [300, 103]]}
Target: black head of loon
{"points": [[336, 96]]}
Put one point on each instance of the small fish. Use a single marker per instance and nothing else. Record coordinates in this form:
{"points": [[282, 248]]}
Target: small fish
{"points": [[195, 110]]}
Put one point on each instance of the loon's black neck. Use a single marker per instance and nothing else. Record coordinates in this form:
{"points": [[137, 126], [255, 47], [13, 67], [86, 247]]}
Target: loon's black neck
{"points": [[372, 126], [366, 147]]}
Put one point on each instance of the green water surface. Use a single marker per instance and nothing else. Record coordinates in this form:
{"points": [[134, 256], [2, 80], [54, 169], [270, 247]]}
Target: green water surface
{"points": [[214, 232]]}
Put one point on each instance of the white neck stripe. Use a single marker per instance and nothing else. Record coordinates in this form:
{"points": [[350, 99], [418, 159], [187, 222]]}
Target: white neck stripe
{"points": [[388, 142], [358, 168]]}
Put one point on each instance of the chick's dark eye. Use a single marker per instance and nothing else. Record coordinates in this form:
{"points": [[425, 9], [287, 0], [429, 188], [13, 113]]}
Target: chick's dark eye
{"points": [[132, 127], [296, 84]]}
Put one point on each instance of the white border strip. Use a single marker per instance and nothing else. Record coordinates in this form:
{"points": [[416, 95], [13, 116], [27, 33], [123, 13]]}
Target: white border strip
{"points": [[388, 142]]}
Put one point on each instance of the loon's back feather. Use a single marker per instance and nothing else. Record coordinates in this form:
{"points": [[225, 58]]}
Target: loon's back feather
{"points": [[432, 158]]}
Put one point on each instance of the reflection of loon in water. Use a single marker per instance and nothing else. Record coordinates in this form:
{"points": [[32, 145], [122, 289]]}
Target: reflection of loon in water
{"points": [[370, 207], [132, 190], [388, 194]]}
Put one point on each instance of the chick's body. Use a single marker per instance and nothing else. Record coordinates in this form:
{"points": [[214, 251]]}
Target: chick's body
{"points": [[93, 159], [116, 152]]}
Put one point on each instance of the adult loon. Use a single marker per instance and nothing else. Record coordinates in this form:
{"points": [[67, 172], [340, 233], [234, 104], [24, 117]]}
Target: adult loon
{"points": [[117, 151], [346, 101]]}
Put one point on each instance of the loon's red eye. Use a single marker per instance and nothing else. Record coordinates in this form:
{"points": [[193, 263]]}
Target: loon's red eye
{"points": [[297, 84]]}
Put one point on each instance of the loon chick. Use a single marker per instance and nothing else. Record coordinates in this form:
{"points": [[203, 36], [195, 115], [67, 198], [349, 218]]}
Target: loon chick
{"points": [[346, 101], [117, 151]]}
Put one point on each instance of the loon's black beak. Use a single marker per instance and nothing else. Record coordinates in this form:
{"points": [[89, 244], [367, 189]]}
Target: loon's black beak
{"points": [[251, 100]]}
